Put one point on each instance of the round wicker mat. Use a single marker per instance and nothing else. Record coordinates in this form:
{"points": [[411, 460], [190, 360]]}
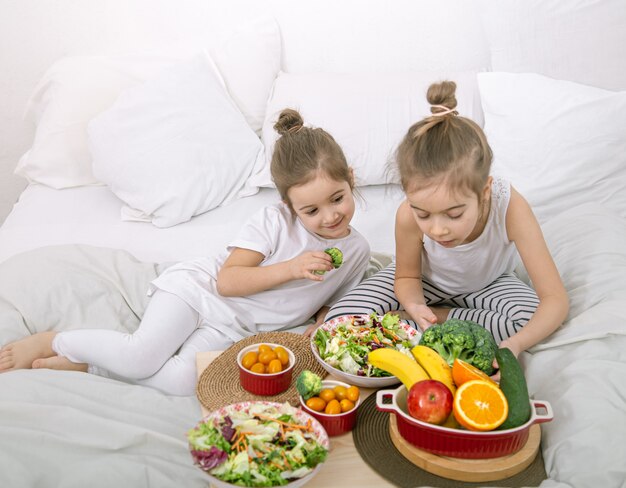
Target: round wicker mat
{"points": [[374, 444], [219, 382]]}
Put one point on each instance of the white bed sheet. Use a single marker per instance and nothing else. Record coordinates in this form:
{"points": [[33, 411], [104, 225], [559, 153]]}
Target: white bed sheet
{"points": [[92, 215]]}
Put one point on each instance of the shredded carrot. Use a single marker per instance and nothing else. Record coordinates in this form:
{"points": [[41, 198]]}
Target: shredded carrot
{"points": [[287, 425]]}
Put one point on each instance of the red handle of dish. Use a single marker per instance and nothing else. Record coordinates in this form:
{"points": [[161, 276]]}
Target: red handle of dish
{"points": [[539, 417], [380, 397]]}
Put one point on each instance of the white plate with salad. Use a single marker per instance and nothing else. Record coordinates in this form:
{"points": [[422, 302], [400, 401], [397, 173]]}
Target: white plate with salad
{"points": [[259, 444], [341, 346]]}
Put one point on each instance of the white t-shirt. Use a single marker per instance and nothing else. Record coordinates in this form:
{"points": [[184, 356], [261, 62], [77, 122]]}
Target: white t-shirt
{"points": [[279, 236], [472, 266]]}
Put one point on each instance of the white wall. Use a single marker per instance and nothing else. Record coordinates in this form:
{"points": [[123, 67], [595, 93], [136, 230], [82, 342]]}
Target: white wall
{"points": [[35, 33]]}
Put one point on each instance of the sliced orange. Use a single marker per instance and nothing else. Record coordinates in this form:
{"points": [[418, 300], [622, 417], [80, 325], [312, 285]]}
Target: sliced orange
{"points": [[463, 371], [480, 405]]}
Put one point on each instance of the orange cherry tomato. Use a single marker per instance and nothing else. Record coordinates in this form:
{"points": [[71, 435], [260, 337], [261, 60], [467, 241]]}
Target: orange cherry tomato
{"points": [[249, 359], [282, 355], [258, 368], [346, 405], [264, 348], [316, 403], [275, 366], [327, 394], [340, 392], [353, 394], [266, 357], [332, 407]]}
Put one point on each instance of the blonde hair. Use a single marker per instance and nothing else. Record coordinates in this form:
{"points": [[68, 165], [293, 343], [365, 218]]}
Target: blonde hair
{"points": [[300, 153], [444, 147]]}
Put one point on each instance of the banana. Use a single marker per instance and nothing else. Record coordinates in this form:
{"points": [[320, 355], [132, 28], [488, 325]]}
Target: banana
{"points": [[398, 364], [435, 366]]}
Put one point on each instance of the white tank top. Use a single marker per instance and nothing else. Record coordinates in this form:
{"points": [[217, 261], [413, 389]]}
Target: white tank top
{"points": [[471, 267]]}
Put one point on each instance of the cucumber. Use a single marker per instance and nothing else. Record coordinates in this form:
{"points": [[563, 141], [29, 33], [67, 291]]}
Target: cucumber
{"points": [[513, 385]]}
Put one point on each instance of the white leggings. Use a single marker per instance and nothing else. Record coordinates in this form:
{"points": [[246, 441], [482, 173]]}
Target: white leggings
{"points": [[503, 307], [161, 353]]}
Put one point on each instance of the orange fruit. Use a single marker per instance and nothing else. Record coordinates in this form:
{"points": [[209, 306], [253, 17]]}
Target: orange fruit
{"points": [[346, 405], [316, 403], [282, 354], [258, 368], [249, 359], [353, 393], [332, 407], [274, 366], [462, 371], [340, 392], [480, 405], [267, 356], [327, 394]]}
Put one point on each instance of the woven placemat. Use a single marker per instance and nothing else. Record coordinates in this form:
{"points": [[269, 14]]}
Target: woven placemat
{"points": [[219, 385], [374, 444]]}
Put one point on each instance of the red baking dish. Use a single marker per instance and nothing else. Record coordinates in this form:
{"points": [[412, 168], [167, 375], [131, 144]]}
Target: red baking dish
{"points": [[445, 441], [265, 384], [334, 424]]}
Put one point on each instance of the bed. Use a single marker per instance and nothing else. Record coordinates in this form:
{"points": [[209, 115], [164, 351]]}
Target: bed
{"points": [[102, 214]]}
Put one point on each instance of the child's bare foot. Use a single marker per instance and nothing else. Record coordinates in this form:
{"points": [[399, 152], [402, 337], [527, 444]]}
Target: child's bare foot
{"points": [[59, 362], [21, 354]]}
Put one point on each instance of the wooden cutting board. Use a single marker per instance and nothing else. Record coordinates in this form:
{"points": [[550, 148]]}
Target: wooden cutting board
{"points": [[471, 470]]}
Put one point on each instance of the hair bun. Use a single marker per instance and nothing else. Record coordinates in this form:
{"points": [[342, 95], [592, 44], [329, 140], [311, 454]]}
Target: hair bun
{"points": [[441, 97], [289, 120]]}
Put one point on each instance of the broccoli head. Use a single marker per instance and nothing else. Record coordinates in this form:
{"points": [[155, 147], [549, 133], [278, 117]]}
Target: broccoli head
{"points": [[337, 257], [308, 384], [462, 339]]}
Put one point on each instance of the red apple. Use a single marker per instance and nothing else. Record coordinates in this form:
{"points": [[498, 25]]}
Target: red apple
{"points": [[430, 401]]}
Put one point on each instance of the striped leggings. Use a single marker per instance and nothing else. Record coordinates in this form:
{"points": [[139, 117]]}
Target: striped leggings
{"points": [[503, 307]]}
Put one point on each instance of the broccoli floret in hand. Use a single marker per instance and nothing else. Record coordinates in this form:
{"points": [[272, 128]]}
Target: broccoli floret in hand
{"points": [[462, 339], [308, 384], [337, 257]]}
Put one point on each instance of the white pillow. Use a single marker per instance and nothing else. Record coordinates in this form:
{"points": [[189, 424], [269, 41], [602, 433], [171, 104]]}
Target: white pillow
{"points": [[577, 41], [175, 146], [76, 89], [367, 114], [249, 60], [71, 92], [560, 144]]}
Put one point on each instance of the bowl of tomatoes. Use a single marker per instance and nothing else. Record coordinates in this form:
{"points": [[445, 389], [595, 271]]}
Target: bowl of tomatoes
{"points": [[265, 369], [335, 406]]}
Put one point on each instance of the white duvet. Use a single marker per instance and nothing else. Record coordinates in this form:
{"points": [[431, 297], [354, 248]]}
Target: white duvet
{"points": [[74, 430]]}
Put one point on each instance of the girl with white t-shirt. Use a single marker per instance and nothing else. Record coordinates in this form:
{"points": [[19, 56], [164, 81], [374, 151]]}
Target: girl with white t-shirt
{"points": [[269, 279]]}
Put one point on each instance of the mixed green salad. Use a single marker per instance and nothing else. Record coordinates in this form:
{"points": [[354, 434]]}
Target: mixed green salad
{"points": [[263, 444], [345, 346]]}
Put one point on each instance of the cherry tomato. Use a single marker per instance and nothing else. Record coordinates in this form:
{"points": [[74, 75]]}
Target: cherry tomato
{"points": [[340, 392], [258, 368], [332, 407], [264, 348], [266, 357], [274, 366], [353, 394], [327, 394], [282, 355], [249, 359], [316, 403], [346, 405]]}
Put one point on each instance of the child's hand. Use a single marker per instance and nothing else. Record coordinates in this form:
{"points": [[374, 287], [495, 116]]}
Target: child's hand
{"points": [[506, 343], [305, 265], [423, 316]]}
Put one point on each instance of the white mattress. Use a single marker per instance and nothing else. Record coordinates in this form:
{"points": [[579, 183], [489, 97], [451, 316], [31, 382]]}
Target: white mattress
{"points": [[92, 215]]}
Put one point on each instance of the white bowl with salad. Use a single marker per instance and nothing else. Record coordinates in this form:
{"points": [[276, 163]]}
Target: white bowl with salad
{"points": [[259, 444], [341, 346]]}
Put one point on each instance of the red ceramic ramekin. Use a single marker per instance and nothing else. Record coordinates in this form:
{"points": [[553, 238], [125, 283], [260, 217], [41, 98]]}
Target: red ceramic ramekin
{"points": [[458, 443], [265, 384], [334, 424]]}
